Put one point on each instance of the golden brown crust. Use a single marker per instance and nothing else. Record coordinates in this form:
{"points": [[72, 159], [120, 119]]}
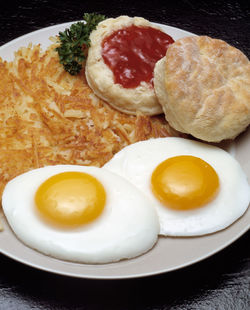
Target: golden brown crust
{"points": [[207, 88], [48, 117]]}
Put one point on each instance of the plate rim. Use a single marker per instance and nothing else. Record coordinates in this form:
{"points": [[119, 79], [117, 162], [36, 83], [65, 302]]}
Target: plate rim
{"points": [[117, 277]]}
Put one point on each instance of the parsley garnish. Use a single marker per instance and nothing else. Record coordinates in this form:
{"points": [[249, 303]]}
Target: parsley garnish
{"points": [[74, 42]]}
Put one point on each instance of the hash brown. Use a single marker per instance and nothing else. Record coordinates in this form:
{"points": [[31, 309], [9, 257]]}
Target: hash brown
{"points": [[49, 117]]}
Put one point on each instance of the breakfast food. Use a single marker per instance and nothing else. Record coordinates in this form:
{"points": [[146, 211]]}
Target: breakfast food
{"points": [[203, 85], [196, 188], [49, 117], [127, 225], [121, 60]]}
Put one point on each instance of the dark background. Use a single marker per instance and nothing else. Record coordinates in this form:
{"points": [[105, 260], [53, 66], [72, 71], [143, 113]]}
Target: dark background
{"points": [[219, 282]]}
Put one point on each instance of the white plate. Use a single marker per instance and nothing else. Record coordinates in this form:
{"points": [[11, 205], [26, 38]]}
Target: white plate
{"points": [[168, 254]]}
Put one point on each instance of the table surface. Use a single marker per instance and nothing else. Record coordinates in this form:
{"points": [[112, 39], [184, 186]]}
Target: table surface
{"points": [[219, 282]]}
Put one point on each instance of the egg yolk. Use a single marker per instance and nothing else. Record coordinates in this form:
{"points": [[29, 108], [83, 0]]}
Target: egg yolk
{"points": [[70, 198], [184, 182]]}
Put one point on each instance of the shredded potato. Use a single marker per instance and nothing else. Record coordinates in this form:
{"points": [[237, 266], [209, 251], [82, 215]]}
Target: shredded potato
{"points": [[49, 117]]}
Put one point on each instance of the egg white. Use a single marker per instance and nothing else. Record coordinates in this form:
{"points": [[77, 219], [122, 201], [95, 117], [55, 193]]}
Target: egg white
{"points": [[127, 228], [137, 161]]}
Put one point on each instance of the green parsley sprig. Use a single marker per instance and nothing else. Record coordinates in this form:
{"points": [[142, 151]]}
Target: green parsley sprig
{"points": [[74, 42]]}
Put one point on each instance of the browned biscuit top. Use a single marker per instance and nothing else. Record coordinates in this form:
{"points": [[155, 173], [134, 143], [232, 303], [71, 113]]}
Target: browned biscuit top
{"points": [[207, 85]]}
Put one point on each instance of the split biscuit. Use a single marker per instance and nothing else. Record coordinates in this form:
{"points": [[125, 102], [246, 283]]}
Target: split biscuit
{"points": [[203, 85], [100, 77]]}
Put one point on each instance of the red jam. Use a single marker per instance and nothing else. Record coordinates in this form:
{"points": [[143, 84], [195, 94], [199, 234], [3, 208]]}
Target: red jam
{"points": [[131, 53]]}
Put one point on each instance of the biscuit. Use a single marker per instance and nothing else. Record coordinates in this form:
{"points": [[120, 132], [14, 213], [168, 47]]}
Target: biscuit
{"points": [[203, 85], [100, 78]]}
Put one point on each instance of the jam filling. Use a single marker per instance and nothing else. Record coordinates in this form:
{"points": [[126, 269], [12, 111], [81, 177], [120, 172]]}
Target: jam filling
{"points": [[132, 52]]}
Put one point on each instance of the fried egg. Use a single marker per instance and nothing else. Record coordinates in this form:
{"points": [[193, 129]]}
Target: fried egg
{"points": [[82, 214], [196, 188]]}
